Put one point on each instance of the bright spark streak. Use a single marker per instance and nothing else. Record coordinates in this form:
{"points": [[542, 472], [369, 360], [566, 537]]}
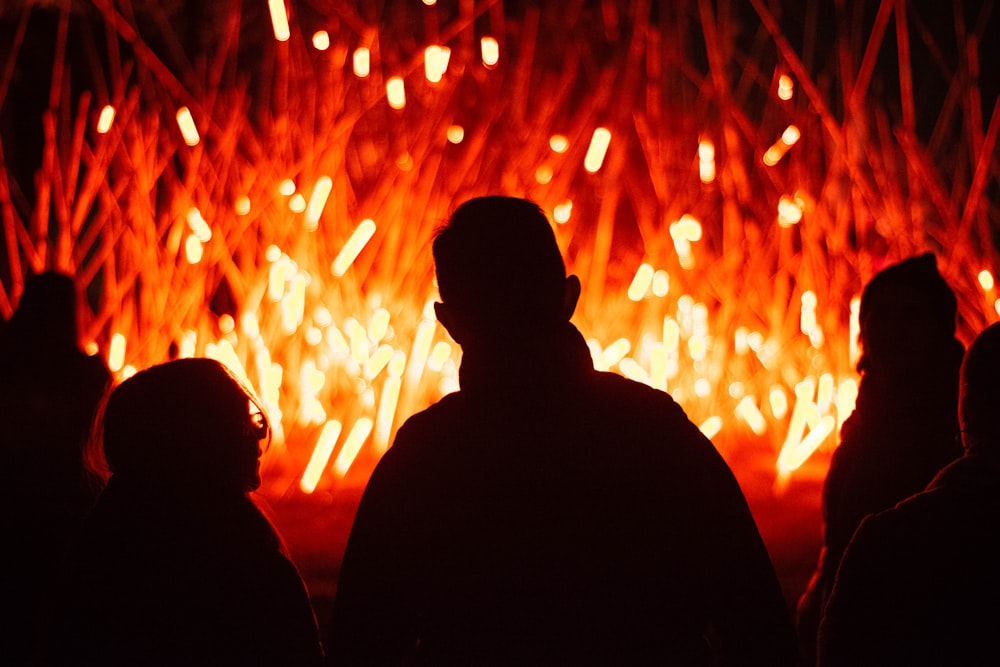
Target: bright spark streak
{"points": [[395, 92], [320, 455], [986, 280], [439, 355], [386, 414], [279, 20], [561, 213], [198, 226], [242, 205], [193, 249], [598, 148], [352, 445], [286, 187], [116, 353], [661, 283], [786, 87], [711, 427], [436, 62], [355, 244], [558, 143], [362, 62], [455, 134], [188, 129], [792, 459], [490, 49], [779, 402], [321, 40], [320, 193], [640, 282], [791, 135], [105, 120]]}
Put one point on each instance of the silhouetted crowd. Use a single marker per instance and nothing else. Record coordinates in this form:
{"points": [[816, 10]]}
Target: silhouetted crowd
{"points": [[544, 514]]}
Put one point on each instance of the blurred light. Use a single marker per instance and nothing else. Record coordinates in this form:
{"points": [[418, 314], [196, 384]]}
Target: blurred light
{"points": [[272, 253], [186, 124], [789, 212], [558, 143], [198, 226], [352, 445], [362, 62], [561, 213], [790, 135], [430, 3], [599, 143], [321, 40], [242, 205], [320, 193], [490, 49], [661, 283], [297, 203], [226, 323], [773, 156], [379, 325], [748, 411], [395, 92], [436, 62], [320, 456], [706, 161], [543, 175], [640, 282], [786, 87], [359, 239], [116, 353], [779, 401], [193, 249], [986, 280], [91, 348], [279, 20], [106, 118], [439, 355], [702, 388], [854, 334], [455, 134], [286, 187], [711, 427]]}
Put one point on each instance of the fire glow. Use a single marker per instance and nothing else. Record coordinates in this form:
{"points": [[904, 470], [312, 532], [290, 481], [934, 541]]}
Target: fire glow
{"points": [[702, 275]]}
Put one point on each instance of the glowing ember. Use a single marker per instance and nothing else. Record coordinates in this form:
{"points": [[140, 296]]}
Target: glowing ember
{"points": [[279, 20], [186, 124], [106, 118], [599, 143]]}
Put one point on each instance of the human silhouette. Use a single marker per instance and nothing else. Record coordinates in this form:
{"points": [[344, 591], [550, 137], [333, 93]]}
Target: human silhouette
{"points": [[548, 513], [919, 583], [904, 428], [176, 565], [49, 391]]}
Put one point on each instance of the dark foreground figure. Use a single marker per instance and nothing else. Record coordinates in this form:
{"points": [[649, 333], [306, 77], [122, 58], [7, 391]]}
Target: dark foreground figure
{"points": [[919, 584], [905, 426], [548, 513], [49, 392], [176, 566]]}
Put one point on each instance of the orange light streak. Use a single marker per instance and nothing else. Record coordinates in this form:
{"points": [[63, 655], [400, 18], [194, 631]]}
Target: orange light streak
{"points": [[105, 120], [317, 201], [116, 353], [558, 143], [361, 60], [352, 445], [187, 127], [748, 411], [320, 456], [455, 134], [490, 50], [598, 148], [279, 20], [355, 244], [395, 92]]}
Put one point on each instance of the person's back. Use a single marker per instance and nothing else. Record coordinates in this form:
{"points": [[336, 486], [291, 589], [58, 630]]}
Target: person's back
{"points": [[175, 564], [548, 513], [918, 584], [904, 428]]}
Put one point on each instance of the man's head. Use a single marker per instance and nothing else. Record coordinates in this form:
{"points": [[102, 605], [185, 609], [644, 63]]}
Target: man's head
{"points": [[980, 391], [499, 270]]}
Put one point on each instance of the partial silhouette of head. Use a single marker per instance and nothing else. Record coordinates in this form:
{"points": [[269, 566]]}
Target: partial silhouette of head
{"points": [[499, 270], [980, 392], [46, 314], [186, 424], [907, 318]]}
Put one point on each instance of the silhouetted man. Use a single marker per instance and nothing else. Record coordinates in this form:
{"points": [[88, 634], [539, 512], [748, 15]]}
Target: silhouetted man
{"points": [[919, 583], [548, 513]]}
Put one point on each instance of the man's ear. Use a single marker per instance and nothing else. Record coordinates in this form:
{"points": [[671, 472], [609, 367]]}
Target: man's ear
{"points": [[449, 321], [571, 296]]}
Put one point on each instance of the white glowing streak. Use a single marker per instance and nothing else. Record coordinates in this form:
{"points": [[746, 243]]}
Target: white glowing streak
{"points": [[562, 212], [293, 305], [779, 402], [378, 361], [800, 415], [640, 282], [279, 20], [359, 239], [198, 225], [320, 193], [379, 325], [824, 392], [598, 148], [362, 62], [558, 143], [631, 369], [189, 341], [711, 427], [320, 455], [359, 340], [439, 355], [276, 278], [786, 87], [986, 280], [186, 124], [790, 135], [193, 250], [490, 50], [352, 445], [105, 120], [661, 283], [614, 353], [671, 333], [854, 336], [249, 324], [116, 353], [321, 40], [386, 414], [658, 366], [791, 459], [395, 92], [435, 62], [747, 410]]}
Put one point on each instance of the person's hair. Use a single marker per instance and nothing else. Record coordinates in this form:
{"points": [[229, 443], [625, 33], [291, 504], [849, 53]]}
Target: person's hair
{"points": [[186, 422], [980, 390], [497, 259]]}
